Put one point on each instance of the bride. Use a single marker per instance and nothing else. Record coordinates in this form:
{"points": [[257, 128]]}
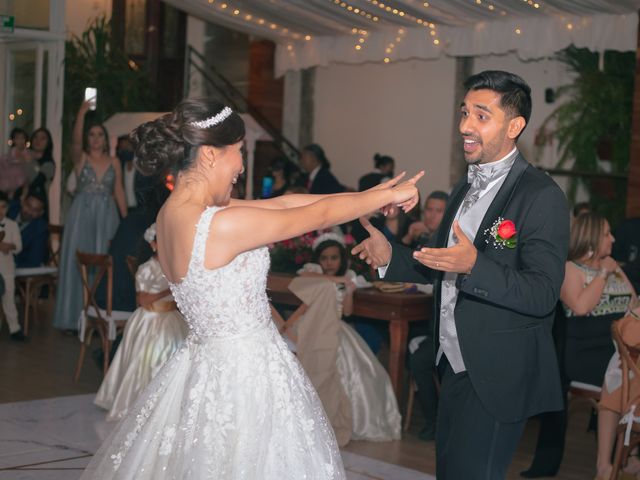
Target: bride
{"points": [[233, 402]]}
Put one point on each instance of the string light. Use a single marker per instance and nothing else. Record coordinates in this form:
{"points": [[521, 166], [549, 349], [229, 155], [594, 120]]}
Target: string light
{"points": [[401, 13], [356, 10], [19, 111], [248, 17], [518, 31]]}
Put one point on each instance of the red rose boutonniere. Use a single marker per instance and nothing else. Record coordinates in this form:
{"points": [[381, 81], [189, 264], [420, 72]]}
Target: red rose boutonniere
{"points": [[502, 233]]}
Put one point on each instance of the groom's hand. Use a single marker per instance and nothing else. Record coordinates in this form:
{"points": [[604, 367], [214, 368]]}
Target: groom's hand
{"points": [[460, 258], [375, 250]]}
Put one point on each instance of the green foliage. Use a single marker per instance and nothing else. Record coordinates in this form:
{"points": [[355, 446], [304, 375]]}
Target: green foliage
{"points": [[93, 60], [596, 116]]}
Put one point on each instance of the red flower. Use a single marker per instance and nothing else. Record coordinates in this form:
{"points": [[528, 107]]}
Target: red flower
{"points": [[506, 229]]}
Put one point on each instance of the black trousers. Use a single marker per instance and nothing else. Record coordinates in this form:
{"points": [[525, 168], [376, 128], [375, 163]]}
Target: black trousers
{"points": [[470, 443]]}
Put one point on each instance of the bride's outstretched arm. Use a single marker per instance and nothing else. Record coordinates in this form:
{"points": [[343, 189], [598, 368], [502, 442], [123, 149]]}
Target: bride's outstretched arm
{"points": [[301, 199], [239, 229]]}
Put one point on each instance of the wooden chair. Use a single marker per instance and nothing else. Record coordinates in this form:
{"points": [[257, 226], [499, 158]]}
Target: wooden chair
{"points": [[628, 436], [132, 265], [29, 281], [104, 322]]}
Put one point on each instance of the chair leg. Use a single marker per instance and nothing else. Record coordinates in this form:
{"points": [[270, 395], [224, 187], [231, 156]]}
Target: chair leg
{"points": [[27, 306], [409, 411], [621, 452], [80, 362]]}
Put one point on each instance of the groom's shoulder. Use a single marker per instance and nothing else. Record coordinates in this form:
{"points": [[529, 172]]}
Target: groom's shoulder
{"points": [[536, 179]]}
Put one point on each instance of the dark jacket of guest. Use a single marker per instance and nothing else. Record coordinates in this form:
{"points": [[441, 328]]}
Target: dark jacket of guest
{"points": [[370, 180], [325, 182], [35, 237]]}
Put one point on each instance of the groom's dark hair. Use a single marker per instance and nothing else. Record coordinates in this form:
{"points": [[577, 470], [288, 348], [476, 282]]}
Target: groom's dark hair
{"points": [[515, 94]]}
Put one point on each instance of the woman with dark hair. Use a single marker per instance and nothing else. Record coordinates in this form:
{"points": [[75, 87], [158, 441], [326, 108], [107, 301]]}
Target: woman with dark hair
{"points": [[93, 218], [232, 402], [384, 166], [320, 179], [42, 167]]}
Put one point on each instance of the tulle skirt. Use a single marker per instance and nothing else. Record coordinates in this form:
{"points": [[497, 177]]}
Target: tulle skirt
{"points": [[224, 408], [149, 340]]}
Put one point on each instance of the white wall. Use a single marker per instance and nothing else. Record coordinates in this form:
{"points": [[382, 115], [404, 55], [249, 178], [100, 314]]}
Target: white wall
{"points": [[402, 109], [80, 12]]}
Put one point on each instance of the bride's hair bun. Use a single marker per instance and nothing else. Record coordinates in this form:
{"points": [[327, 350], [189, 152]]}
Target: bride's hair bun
{"points": [[171, 142]]}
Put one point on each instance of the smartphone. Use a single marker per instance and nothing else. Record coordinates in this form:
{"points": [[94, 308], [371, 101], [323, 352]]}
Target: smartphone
{"points": [[91, 96], [267, 187]]}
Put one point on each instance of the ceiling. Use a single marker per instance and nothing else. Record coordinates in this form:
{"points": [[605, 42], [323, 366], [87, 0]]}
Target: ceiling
{"points": [[319, 32]]}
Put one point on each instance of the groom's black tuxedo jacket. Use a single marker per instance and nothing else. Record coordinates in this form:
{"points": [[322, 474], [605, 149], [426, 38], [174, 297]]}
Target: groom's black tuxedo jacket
{"points": [[504, 311]]}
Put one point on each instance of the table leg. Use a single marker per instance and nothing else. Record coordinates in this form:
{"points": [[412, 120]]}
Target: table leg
{"points": [[398, 333]]}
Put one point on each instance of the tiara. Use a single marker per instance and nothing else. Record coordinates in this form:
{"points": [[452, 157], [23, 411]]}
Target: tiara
{"points": [[150, 233], [336, 237], [215, 120]]}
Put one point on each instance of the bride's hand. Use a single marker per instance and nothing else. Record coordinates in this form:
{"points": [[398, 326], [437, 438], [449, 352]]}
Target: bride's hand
{"points": [[410, 202]]}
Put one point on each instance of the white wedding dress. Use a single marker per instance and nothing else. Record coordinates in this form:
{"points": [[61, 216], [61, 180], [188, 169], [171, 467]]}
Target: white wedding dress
{"points": [[233, 402]]}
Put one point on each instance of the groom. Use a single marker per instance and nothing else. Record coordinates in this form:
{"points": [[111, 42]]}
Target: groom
{"points": [[497, 272]]}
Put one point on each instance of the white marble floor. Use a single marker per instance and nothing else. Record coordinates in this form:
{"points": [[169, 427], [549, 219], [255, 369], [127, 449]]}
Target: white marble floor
{"points": [[53, 439]]}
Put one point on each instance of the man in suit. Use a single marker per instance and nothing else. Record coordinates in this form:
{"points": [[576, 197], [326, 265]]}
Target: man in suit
{"points": [[320, 180], [495, 285], [34, 230]]}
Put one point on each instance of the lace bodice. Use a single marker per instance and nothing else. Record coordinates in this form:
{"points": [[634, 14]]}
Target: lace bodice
{"points": [[226, 301], [88, 181]]}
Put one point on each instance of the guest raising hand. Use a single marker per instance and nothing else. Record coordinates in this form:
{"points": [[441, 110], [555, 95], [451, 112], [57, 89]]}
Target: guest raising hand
{"points": [[93, 217]]}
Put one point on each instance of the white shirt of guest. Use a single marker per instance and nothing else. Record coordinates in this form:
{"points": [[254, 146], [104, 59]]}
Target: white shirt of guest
{"points": [[11, 235], [469, 223], [314, 174]]}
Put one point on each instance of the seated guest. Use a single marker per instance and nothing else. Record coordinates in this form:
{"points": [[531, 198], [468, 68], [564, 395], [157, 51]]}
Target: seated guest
{"points": [[320, 179], [10, 244], [595, 292], [384, 166], [420, 233], [34, 231], [611, 401], [152, 334], [626, 250], [394, 225], [353, 386]]}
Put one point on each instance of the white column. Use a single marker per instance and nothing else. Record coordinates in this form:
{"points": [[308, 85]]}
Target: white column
{"points": [[196, 38], [291, 106], [55, 99]]}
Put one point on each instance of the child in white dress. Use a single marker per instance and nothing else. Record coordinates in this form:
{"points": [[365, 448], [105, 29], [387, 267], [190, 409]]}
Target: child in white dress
{"points": [[152, 335], [354, 387]]}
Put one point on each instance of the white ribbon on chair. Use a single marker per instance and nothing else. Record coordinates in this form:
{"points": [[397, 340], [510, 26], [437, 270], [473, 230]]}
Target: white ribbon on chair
{"points": [[628, 419], [83, 326]]}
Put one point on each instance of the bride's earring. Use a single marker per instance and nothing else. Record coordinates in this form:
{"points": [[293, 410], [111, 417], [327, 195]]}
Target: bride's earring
{"points": [[590, 253]]}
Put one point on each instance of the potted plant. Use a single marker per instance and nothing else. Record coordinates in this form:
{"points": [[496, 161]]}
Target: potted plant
{"points": [[593, 124]]}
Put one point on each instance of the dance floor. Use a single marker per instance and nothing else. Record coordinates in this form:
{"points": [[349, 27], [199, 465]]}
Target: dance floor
{"points": [[49, 427], [53, 439]]}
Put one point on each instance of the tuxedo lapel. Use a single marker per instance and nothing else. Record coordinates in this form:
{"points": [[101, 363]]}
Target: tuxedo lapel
{"points": [[457, 195], [501, 200]]}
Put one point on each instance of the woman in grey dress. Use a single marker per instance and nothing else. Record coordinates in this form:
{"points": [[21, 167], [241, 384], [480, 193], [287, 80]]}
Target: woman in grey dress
{"points": [[93, 217]]}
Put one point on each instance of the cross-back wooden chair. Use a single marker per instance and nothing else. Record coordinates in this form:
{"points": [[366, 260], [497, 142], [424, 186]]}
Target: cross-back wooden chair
{"points": [[93, 269], [628, 436], [29, 281]]}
